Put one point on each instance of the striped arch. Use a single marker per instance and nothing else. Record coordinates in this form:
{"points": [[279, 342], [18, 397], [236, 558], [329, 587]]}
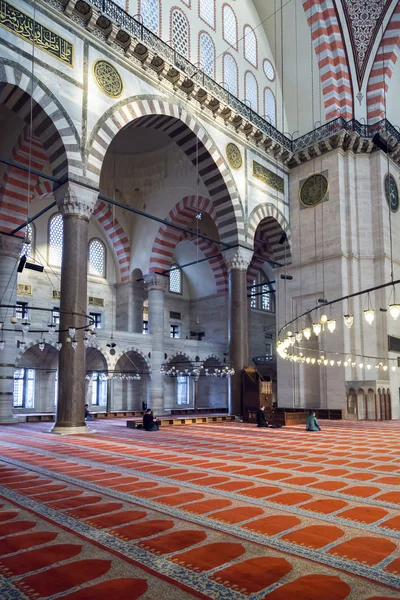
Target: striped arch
{"points": [[50, 122], [332, 60], [117, 236], [217, 264], [36, 342], [193, 140], [256, 265], [137, 351], [269, 224], [179, 355], [382, 69], [104, 354]]}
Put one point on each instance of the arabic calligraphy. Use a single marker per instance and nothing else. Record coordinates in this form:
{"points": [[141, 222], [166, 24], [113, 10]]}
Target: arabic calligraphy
{"points": [[268, 177], [108, 79], [24, 26]]}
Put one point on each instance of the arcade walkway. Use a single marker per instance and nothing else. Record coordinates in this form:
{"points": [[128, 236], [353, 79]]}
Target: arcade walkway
{"points": [[221, 511]]}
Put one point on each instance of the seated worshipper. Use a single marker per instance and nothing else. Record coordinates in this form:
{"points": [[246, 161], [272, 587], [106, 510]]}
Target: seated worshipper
{"points": [[261, 420], [88, 416], [312, 422], [150, 423]]}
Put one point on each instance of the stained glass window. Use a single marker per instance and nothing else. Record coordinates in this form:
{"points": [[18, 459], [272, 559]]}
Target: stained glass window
{"points": [[207, 11], [251, 91], [207, 54], [150, 11], [269, 70], [24, 388], [180, 32], [269, 106], [229, 26], [250, 45], [175, 280], [26, 249], [55, 240], [230, 74], [97, 258]]}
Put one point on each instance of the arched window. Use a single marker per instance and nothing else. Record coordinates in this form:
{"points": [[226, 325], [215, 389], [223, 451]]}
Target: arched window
{"points": [[251, 91], [262, 295], [97, 258], [55, 240], [230, 74], [99, 389], [150, 11], [269, 106], [175, 280], [269, 70], [24, 388], [207, 54], [250, 45], [207, 12], [27, 247], [229, 26], [180, 32]]}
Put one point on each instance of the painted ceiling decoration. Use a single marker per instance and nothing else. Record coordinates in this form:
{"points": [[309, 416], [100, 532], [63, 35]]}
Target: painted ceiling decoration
{"points": [[364, 18]]}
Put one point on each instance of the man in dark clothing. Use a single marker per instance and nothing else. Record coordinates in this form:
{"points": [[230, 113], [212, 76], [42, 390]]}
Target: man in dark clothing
{"points": [[312, 422], [261, 420], [149, 422]]}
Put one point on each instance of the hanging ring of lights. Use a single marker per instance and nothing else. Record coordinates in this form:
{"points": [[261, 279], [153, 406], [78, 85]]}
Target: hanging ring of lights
{"points": [[196, 369]]}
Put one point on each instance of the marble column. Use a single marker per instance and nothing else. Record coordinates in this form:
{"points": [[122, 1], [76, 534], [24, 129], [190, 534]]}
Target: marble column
{"points": [[137, 307], [156, 285], [75, 204], [237, 260], [10, 249]]}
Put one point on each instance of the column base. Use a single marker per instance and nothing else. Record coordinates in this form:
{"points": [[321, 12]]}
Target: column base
{"points": [[82, 429]]}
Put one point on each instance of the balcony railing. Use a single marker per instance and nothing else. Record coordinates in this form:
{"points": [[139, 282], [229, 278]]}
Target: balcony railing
{"points": [[137, 30]]}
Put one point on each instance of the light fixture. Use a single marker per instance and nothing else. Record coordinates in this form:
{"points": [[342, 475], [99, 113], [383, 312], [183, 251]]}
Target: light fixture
{"points": [[308, 359], [368, 367], [348, 320], [361, 365], [325, 362], [74, 344], [25, 326], [394, 310], [71, 331], [384, 367], [319, 361], [86, 341], [353, 364], [345, 364], [323, 320], [331, 362], [59, 345], [339, 363], [51, 328], [316, 328], [13, 320], [22, 344], [298, 336], [369, 315], [331, 325], [307, 332], [393, 368], [41, 346], [313, 361]]}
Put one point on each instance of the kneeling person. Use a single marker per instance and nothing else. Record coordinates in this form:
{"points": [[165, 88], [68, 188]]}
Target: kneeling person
{"points": [[150, 423], [261, 420]]}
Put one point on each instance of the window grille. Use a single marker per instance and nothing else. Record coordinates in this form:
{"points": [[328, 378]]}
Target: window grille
{"points": [[26, 249], [97, 258], [24, 388], [265, 298], [182, 392], [253, 299], [229, 26], [150, 11], [180, 33], [55, 240], [231, 74], [97, 320], [175, 280], [270, 106], [251, 91], [207, 55], [207, 12], [21, 312], [174, 331], [250, 45], [269, 70], [56, 315]]}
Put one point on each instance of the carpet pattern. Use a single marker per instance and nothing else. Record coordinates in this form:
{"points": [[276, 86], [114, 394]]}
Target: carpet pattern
{"points": [[210, 511]]}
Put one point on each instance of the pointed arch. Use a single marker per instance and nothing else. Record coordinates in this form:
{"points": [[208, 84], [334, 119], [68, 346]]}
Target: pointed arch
{"points": [[217, 264], [129, 349], [184, 130], [329, 47], [274, 225], [117, 237]]}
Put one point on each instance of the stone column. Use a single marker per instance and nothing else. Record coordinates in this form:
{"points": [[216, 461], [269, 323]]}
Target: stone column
{"points": [[237, 260], [75, 204], [10, 249], [156, 286], [137, 307]]}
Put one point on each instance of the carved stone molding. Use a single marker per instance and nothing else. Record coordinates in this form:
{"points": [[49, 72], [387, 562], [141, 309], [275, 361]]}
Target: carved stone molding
{"points": [[73, 199], [10, 246], [155, 281], [238, 258]]}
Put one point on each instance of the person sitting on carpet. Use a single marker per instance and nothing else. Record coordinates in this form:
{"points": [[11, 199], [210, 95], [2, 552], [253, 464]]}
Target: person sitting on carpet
{"points": [[312, 422], [150, 423], [88, 416], [260, 416]]}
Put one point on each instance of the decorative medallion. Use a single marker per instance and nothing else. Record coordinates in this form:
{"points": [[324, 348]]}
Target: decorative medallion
{"points": [[31, 31], [268, 177], [107, 78], [313, 190], [391, 192], [234, 156]]}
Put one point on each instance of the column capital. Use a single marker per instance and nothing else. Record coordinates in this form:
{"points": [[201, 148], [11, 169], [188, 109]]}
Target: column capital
{"points": [[238, 258], [156, 281], [10, 246], [74, 199]]}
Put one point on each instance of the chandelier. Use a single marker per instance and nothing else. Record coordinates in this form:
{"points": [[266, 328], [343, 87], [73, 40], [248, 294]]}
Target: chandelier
{"points": [[197, 369], [122, 375]]}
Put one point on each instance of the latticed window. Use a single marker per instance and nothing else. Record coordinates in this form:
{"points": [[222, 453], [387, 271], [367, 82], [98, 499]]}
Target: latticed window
{"points": [[207, 11], [251, 91], [180, 32], [269, 70], [182, 391], [229, 26], [207, 54], [253, 298], [269, 106], [265, 298], [97, 258], [175, 280], [262, 294], [250, 45], [24, 388], [26, 249], [150, 11], [55, 240], [230, 74]]}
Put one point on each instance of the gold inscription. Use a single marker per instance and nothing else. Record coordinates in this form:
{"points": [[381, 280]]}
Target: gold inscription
{"points": [[268, 177]]}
